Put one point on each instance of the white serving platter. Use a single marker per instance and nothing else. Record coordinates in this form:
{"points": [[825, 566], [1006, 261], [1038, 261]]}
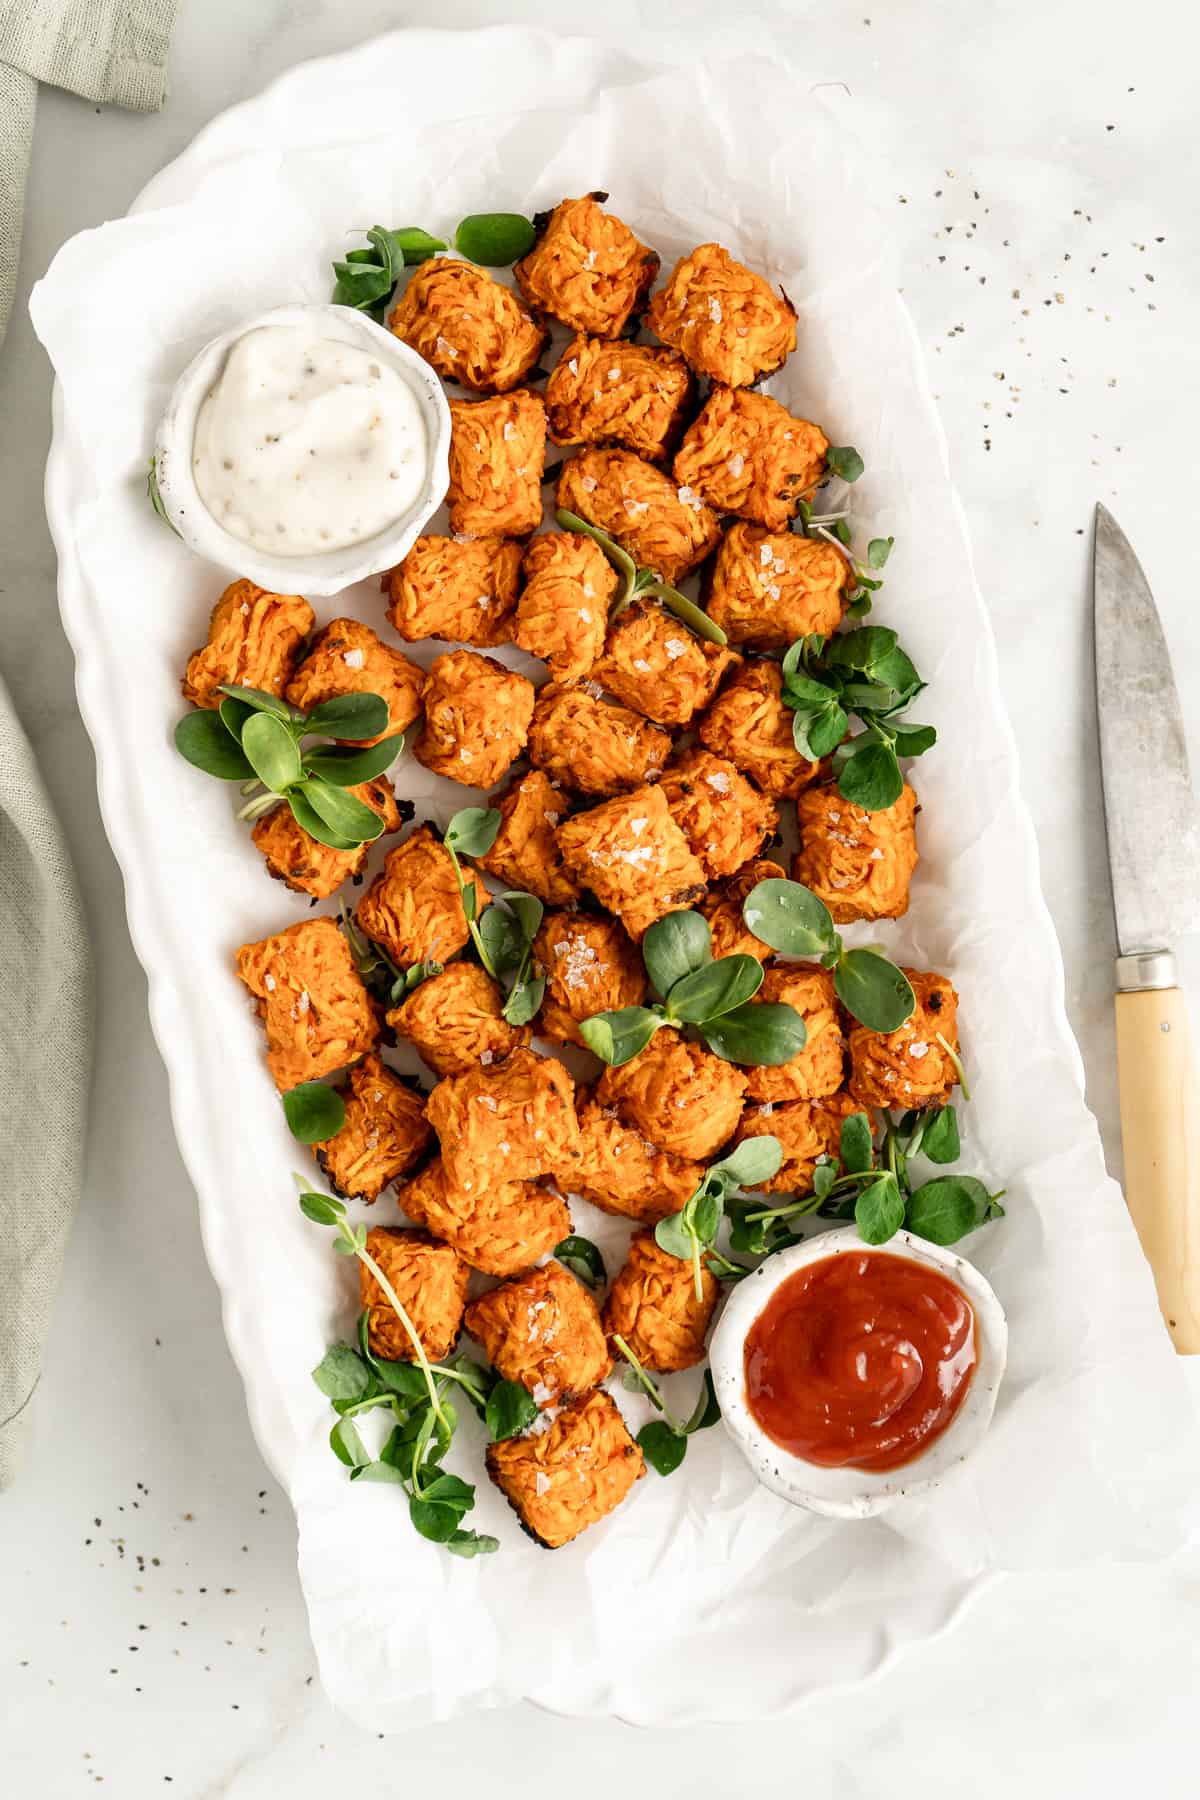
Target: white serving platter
{"points": [[706, 1597]]}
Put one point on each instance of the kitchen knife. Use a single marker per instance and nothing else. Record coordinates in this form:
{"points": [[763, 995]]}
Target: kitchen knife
{"points": [[1154, 859]]}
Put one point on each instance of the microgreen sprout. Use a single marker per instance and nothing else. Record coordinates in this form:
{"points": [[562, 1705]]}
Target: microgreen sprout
{"points": [[503, 933], [375, 967], [710, 995], [639, 583], [792, 920], [256, 738], [365, 278], [691, 1233], [664, 1441], [416, 1395], [866, 674], [876, 1189]]}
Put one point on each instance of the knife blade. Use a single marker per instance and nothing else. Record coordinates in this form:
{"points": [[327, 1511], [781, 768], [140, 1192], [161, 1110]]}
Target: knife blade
{"points": [[1149, 808], [1152, 851]]}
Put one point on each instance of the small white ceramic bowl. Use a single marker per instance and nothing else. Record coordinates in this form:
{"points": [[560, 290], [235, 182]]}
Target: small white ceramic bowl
{"points": [[850, 1493], [329, 571]]}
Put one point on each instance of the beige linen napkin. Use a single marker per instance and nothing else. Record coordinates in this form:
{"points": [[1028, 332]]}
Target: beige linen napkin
{"points": [[112, 51]]}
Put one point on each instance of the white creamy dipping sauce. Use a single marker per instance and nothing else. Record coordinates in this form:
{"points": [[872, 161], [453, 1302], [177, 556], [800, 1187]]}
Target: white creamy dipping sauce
{"points": [[306, 443]]}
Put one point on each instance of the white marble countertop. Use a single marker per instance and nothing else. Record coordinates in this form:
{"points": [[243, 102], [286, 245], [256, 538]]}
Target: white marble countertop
{"points": [[152, 1635]]}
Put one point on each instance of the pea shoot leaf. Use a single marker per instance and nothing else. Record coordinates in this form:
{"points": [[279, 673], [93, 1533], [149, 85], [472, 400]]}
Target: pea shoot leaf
{"points": [[312, 822], [342, 812], [764, 1034], [947, 1208], [473, 831], [663, 1448], [845, 461], [675, 946], [939, 1141], [342, 1374], [494, 239], [352, 716], [874, 990], [584, 1260], [716, 988], [617, 1037], [857, 1145], [314, 1111], [870, 776], [879, 1210], [790, 918], [344, 767], [203, 739]]}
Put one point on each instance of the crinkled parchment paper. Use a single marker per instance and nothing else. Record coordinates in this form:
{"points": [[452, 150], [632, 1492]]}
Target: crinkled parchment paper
{"points": [[1093, 1453]]}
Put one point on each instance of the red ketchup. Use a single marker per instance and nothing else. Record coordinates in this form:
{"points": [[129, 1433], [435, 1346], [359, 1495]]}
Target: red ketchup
{"points": [[860, 1361]]}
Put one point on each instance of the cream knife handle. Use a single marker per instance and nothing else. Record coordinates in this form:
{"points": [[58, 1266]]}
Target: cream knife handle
{"points": [[1160, 1125]]}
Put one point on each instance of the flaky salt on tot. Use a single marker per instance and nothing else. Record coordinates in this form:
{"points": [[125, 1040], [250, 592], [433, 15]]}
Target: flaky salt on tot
{"points": [[505, 1123], [767, 589], [627, 394], [727, 321], [317, 1014], [747, 454], [469, 327], [254, 639], [820, 1068], [748, 723], [562, 614], [910, 1067], [807, 1131], [859, 863], [499, 1227], [622, 1172], [462, 589], [633, 857], [560, 1481], [543, 1331], [477, 716], [723, 818], [412, 909], [656, 665], [384, 1137], [525, 854], [497, 453], [587, 268], [723, 907], [652, 1306], [455, 1021], [677, 1094], [590, 966], [662, 526], [347, 658], [582, 743], [310, 867], [430, 1282]]}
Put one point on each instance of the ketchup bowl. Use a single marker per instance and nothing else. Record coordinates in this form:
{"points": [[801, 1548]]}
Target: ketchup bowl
{"points": [[850, 1374]]}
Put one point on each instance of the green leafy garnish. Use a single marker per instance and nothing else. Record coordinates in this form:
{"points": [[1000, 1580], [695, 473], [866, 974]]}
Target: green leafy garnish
{"points": [[791, 919], [365, 279], [845, 461], [584, 1260], [494, 239], [691, 1234], [643, 583], [865, 674], [314, 1111], [664, 1441], [503, 933], [416, 1396], [877, 1193], [257, 738], [712, 996]]}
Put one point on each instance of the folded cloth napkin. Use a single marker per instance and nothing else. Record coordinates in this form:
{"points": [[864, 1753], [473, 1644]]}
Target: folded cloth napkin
{"points": [[112, 51]]}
